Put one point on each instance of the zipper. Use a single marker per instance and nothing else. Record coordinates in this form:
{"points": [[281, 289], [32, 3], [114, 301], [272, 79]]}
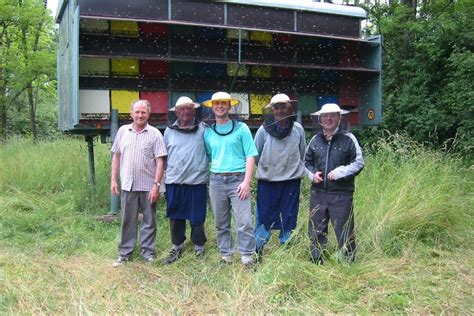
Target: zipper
{"points": [[325, 177]]}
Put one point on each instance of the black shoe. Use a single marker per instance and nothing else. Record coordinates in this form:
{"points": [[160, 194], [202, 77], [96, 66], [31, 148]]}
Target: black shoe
{"points": [[318, 260], [174, 255], [316, 257], [199, 253]]}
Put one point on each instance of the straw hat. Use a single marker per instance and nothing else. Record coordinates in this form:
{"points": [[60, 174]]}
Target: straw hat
{"points": [[182, 101], [221, 96], [330, 108], [279, 98]]}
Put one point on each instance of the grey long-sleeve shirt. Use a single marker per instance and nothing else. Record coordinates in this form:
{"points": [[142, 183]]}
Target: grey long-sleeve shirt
{"points": [[187, 161], [281, 159]]}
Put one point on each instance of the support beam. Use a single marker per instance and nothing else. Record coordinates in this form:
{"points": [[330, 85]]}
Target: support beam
{"points": [[90, 146], [114, 200]]}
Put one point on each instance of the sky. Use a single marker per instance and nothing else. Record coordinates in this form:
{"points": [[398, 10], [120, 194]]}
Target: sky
{"points": [[52, 5]]}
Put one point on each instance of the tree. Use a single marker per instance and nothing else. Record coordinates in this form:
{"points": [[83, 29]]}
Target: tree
{"points": [[428, 69], [27, 38]]}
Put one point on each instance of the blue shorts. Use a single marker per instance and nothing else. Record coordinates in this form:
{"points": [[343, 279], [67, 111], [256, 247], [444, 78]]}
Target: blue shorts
{"points": [[188, 202]]}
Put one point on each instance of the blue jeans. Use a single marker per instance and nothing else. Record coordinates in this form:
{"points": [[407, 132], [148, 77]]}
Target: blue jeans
{"points": [[223, 196]]}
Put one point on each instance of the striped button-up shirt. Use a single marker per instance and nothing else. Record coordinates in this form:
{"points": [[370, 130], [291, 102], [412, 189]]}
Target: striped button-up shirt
{"points": [[138, 151]]}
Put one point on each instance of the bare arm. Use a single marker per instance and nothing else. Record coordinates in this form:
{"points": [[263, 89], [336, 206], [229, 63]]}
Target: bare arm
{"points": [[244, 188], [114, 174], [154, 194]]}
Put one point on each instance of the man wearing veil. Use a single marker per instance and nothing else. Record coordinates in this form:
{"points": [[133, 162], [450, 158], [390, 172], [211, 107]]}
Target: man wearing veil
{"points": [[186, 177], [333, 159], [281, 145]]}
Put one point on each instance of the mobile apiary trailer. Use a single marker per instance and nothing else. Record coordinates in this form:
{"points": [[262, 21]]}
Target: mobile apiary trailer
{"points": [[113, 52]]}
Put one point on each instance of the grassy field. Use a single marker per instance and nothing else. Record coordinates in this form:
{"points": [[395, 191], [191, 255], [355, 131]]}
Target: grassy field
{"points": [[414, 225]]}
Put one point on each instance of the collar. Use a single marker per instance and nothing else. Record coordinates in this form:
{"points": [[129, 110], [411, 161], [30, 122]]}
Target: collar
{"points": [[131, 129], [329, 137]]}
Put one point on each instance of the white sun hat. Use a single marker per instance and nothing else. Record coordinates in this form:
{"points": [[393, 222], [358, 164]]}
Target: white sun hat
{"points": [[221, 96], [330, 108], [279, 98], [182, 101]]}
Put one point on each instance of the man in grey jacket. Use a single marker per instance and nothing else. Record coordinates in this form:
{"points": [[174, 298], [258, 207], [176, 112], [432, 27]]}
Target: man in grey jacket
{"points": [[281, 145], [186, 177], [333, 159]]}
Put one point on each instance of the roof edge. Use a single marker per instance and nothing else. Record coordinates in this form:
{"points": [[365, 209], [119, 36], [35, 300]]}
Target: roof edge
{"points": [[320, 7]]}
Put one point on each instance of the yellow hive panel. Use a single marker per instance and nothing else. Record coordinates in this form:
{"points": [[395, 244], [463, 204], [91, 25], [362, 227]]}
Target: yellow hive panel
{"points": [[124, 28], [122, 100], [234, 34], [258, 102], [125, 68], [261, 71], [94, 67], [263, 37], [232, 70], [94, 26]]}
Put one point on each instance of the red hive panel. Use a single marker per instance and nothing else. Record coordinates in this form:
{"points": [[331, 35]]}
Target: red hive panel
{"points": [[159, 100], [153, 29], [154, 68]]}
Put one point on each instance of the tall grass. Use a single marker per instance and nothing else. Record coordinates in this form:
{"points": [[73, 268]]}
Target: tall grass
{"points": [[414, 220]]}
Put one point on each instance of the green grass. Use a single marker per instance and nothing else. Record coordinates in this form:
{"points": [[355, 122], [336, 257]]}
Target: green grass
{"points": [[414, 224]]}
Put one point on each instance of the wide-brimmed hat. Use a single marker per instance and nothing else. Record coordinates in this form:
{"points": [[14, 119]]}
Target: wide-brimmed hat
{"points": [[330, 108], [279, 98], [182, 101], [221, 96]]}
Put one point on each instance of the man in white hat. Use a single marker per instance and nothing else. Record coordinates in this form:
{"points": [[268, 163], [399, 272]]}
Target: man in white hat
{"points": [[186, 177], [138, 153], [281, 146], [232, 151], [333, 159]]}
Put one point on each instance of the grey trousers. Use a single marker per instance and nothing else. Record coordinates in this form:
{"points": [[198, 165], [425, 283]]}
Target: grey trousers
{"points": [[338, 209], [223, 196], [131, 203]]}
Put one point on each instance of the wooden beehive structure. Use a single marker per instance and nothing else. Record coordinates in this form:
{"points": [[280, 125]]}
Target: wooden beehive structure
{"points": [[114, 52]]}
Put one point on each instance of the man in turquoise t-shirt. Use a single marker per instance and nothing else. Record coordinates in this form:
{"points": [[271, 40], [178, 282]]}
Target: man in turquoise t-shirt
{"points": [[232, 151]]}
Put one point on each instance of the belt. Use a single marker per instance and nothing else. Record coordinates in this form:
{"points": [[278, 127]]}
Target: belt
{"points": [[228, 174]]}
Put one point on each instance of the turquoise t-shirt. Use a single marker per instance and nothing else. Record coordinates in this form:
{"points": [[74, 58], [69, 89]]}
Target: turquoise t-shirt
{"points": [[229, 153]]}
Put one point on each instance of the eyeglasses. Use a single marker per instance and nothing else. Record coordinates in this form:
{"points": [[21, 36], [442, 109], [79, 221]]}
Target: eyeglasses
{"points": [[280, 106]]}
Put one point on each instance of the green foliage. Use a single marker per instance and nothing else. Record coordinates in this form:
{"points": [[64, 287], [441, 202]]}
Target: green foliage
{"points": [[28, 68], [427, 70], [413, 213]]}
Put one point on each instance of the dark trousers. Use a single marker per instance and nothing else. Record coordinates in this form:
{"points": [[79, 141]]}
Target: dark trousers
{"points": [[178, 232], [338, 209]]}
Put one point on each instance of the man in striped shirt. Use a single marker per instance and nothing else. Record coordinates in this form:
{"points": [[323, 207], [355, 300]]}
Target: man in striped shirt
{"points": [[138, 153]]}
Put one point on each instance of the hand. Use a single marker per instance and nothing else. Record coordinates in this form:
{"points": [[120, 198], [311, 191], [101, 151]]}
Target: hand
{"points": [[331, 176], [243, 190], [318, 177], [154, 194], [114, 188]]}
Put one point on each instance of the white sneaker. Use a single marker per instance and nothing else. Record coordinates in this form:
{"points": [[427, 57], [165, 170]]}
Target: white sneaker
{"points": [[226, 259], [247, 260], [119, 262]]}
